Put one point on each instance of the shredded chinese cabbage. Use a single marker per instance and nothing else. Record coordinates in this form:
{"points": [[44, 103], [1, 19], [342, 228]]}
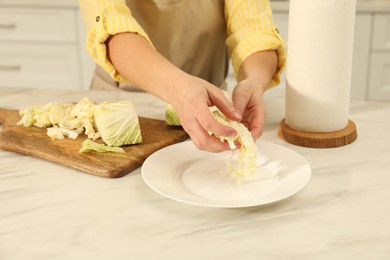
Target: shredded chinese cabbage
{"points": [[89, 145], [245, 163], [115, 122], [242, 164]]}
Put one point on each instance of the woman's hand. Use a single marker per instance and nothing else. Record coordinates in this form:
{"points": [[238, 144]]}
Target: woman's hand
{"points": [[254, 76], [191, 100], [248, 100]]}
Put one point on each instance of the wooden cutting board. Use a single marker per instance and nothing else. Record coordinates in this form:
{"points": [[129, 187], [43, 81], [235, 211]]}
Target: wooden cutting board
{"points": [[34, 141]]}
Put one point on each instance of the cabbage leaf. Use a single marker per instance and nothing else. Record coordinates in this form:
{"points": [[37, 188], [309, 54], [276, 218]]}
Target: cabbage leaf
{"points": [[118, 123], [171, 117], [89, 145], [243, 164]]}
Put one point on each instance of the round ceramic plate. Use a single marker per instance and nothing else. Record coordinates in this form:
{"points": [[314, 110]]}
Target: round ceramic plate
{"points": [[184, 173]]}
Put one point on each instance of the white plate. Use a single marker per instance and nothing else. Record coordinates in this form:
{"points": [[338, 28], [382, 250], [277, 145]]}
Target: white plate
{"points": [[186, 174]]}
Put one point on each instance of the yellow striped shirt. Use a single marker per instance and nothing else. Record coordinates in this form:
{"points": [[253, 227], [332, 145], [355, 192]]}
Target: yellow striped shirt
{"points": [[249, 23]]}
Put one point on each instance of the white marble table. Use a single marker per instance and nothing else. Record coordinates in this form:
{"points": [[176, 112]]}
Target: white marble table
{"points": [[48, 211]]}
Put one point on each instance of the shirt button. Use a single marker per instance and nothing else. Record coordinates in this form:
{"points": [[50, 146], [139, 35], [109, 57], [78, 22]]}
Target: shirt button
{"points": [[97, 18]]}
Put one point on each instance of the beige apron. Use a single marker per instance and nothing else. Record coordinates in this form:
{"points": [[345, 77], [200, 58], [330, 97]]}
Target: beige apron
{"points": [[191, 34]]}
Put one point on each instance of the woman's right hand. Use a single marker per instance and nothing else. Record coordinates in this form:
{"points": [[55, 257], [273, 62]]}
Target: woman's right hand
{"points": [[191, 99]]}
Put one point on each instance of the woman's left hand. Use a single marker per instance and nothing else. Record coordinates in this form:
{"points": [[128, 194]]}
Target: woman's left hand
{"points": [[248, 101], [254, 77]]}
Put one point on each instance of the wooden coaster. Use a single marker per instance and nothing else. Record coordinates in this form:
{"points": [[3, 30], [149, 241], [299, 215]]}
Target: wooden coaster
{"points": [[318, 140]]}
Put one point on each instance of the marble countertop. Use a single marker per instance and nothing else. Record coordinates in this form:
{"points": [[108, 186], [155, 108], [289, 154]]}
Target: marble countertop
{"points": [[53, 212]]}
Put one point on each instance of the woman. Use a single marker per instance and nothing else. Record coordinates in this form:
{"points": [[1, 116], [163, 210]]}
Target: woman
{"points": [[178, 50]]}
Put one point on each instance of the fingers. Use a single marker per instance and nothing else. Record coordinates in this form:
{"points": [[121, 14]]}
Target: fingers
{"points": [[199, 123], [248, 100], [198, 110], [202, 140], [209, 123], [241, 99], [193, 109], [224, 104], [257, 124]]}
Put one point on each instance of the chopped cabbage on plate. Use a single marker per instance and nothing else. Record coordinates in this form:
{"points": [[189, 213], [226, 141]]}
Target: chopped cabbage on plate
{"points": [[243, 160]]}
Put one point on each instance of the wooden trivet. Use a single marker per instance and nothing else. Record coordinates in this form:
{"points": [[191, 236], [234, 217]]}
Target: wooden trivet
{"points": [[319, 140]]}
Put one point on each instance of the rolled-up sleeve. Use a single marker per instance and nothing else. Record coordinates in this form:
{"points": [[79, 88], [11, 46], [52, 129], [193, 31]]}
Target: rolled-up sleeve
{"points": [[250, 29], [103, 18]]}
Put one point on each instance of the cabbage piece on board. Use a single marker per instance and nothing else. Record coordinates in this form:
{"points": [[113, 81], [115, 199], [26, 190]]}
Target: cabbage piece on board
{"points": [[44, 116], [88, 145], [171, 117], [81, 117], [118, 123]]}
